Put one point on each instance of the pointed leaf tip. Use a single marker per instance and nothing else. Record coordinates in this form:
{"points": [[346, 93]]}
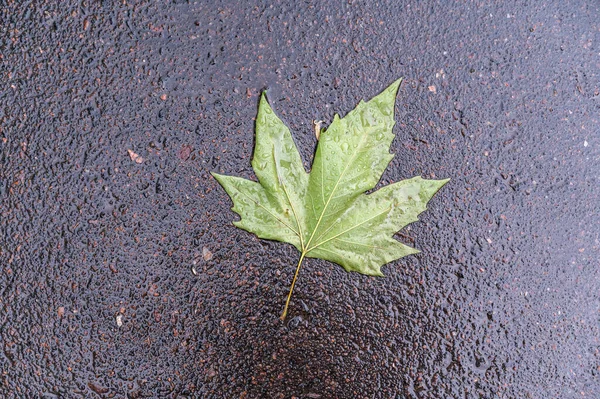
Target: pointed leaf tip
{"points": [[263, 99], [442, 183], [396, 85], [393, 88]]}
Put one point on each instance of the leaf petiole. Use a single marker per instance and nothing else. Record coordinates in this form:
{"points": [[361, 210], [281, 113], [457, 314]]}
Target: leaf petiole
{"points": [[287, 302]]}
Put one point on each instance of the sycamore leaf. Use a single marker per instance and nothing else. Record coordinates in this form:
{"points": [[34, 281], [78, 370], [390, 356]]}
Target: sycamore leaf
{"points": [[325, 213]]}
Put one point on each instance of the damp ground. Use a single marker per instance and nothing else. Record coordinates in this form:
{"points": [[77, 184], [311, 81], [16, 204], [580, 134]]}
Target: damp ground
{"points": [[121, 275]]}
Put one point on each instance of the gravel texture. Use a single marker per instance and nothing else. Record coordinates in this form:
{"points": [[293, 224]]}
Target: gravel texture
{"points": [[121, 275]]}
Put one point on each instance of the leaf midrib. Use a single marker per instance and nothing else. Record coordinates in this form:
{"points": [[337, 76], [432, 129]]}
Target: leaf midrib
{"points": [[299, 233], [350, 229], [331, 194]]}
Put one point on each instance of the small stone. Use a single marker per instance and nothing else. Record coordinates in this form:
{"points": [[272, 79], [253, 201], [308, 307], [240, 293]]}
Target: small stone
{"points": [[184, 152], [432, 89], [97, 388], [206, 254], [61, 311], [585, 143], [119, 320], [135, 157]]}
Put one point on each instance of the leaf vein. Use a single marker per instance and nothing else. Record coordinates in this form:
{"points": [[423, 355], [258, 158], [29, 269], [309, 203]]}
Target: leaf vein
{"points": [[334, 188], [268, 211], [299, 233], [347, 230], [359, 243]]}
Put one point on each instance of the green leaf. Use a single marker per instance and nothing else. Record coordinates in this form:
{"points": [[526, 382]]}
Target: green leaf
{"points": [[325, 213]]}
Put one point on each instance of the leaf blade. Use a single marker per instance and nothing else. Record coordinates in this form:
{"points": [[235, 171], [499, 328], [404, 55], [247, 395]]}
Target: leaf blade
{"points": [[371, 221], [278, 166], [326, 213], [351, 155], [258, 214]]}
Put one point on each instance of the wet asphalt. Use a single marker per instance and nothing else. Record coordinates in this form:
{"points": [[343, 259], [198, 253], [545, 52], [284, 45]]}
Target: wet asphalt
{"points": [[121, 275]]}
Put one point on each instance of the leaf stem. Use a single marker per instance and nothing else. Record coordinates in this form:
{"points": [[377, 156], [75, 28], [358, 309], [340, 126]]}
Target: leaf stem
{"points": [[287, 302]]}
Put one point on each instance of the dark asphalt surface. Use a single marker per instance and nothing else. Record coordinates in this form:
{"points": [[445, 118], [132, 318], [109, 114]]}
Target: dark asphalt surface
{"points": [[104, 289]]}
